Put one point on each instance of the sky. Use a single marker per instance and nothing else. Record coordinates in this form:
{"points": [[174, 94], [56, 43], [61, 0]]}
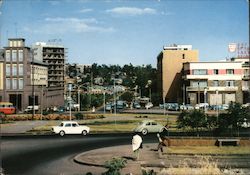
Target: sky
{"points": [[127, 31]]}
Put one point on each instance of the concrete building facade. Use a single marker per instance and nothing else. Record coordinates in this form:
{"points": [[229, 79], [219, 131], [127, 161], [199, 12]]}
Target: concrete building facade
{"points": [[53, 56], [215, 83], [169, 64], [18, 85]]}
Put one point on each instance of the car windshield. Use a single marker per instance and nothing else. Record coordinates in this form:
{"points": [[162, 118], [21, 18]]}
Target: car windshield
{"points": [[61, 124]]}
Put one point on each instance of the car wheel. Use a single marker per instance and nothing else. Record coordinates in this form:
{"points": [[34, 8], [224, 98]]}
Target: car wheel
{"points": [[144, 132], [61, 133], [84, 132]]}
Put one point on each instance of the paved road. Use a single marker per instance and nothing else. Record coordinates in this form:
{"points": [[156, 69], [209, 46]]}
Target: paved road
{"points": [[52, 154]]}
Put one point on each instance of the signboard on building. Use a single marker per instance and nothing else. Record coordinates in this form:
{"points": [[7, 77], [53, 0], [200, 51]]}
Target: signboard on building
{"points": [[232, 47], [242, 50]]}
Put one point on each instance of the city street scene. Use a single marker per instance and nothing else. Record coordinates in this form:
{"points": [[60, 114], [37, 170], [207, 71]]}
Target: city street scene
{"points": [[124, 87]]}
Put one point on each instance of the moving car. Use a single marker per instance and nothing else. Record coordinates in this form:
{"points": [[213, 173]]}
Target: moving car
{"points": [[70, 127], [149, 126]]}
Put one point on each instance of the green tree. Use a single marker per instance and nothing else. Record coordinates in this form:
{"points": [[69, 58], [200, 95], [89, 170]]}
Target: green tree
{"points": [[127, 96], [196, 120], [233, 120]]}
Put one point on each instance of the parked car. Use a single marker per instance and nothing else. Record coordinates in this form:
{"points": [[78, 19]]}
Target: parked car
{"points": [[149, 105], [29, 109], [173, 107], [70, 127], [225, 107], [186, 107], [148, 126], [202, 106], [108, 107], [136, 105], [7, 108]]}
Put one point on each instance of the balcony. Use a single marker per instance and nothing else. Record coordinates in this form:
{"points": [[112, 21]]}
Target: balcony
{"points": [[245, 88], [219, 88], [246, 64], [190, 88], [246, 77]]}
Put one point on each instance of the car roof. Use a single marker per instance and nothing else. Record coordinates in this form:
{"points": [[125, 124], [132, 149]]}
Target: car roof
{"points": [[69, 122], [148, 121]]}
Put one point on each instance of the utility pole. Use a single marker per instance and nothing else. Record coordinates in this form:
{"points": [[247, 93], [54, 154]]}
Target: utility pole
{"points": [[70, 88], [104, 103]]}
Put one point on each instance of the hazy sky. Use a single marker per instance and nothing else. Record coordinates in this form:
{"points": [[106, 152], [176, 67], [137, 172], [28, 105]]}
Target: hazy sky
{"points": [[131, 31]]}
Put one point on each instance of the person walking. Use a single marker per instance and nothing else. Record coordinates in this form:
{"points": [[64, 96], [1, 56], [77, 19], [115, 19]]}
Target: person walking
{"points": [[136, 145]]}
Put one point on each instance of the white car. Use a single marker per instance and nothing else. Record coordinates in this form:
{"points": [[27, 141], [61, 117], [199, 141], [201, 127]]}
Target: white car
{"points": [[70, 127], [149, 105]]}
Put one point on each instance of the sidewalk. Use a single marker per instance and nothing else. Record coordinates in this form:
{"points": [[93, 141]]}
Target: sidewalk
{"points": [[151, 159], [98, 157]]}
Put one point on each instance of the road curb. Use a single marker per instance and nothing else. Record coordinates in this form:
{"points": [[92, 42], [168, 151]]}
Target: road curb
{"points": [[80, 161]]}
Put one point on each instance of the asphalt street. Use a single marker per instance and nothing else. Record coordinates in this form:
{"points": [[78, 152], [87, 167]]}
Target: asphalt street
{"points": [[29, 155]]}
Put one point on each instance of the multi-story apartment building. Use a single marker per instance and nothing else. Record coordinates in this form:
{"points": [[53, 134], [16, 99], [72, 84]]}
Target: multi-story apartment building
{"points": [[215, 82], [19, 68], [54, 56], [169, 65]]}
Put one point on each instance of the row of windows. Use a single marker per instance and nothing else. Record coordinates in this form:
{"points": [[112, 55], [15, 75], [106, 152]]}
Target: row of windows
{"points": [[215, 71], [201, 84], [14, 69], [14, 55], [15, 83]]}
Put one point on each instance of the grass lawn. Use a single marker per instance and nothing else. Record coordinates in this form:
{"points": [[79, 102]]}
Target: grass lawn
{"points": [[209, 150], [113, 122]]}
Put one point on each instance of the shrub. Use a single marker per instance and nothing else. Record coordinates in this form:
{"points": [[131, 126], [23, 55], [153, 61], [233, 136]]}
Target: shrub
{"points": [[114, 166]]}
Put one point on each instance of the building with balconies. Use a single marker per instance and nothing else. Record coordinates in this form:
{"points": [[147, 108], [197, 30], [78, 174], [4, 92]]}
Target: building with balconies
{"points": [[54, 56], [169, 67], [214, 82]]}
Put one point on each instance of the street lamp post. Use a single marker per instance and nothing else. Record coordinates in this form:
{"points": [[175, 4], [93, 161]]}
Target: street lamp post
{"points": [[104, 103], [42, 104], [70, 88], [79, 108], [114, 99], [217, 108], [205, 99]]}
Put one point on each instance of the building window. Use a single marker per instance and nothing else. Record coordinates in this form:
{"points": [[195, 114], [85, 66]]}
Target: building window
{"points": [[8, 83], [20, 83], [14, 55], [7, 69], [216, 83], [201, 83], [230, 83], [20, 71], [230, 71], [183, 56], [7, 53], [20, 55], [200, 72], [14, 70], [216, 71], [14, 83]]}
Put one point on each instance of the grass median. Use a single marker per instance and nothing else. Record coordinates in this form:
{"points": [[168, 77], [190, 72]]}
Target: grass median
{"points": [[111, 122], [225, 150]]}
